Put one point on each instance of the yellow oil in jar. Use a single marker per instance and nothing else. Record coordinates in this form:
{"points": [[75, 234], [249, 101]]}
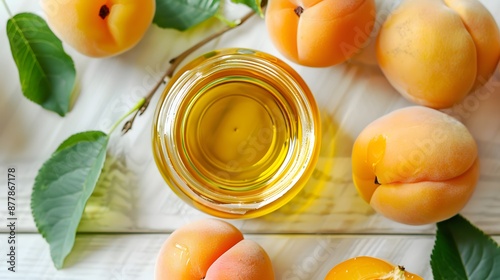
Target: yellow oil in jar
{"points": [[236, 133]]}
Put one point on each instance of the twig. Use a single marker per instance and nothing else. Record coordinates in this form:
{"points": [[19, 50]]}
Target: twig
{"points": [[7, 8], [174, 63], [137, 106]]}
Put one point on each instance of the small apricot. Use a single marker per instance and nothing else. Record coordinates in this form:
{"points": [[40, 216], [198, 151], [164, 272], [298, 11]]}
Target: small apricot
{"points": [[435, 52], [211, 249], [415, 165], [99, 28], [369, 268], [320, 33]]}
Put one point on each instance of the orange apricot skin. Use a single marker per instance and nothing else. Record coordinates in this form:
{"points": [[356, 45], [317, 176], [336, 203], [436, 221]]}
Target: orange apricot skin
{"points": [[327, 32], [190, 250], [99, 28], [415, 165], [436, 52], [245, 260], [485, 34], [364, 268]]}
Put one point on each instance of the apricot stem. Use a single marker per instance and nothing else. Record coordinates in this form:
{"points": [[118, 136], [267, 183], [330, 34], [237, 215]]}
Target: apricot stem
{"points": [[104, 11], [298, 11], [7, 8], [227, 21], [136, 106], [175, 62]]}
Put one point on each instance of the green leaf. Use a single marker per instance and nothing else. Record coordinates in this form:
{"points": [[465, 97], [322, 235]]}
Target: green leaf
{"points": [[183, 14], [62, 187], [462, 251], [255, 5], [46, 72]]}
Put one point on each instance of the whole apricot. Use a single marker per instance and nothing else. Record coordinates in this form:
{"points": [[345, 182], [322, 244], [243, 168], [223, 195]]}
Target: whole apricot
{"points": [[99, 28], [320, 33], [369, 268], [415, 165], [435, 52], [212, 250]]}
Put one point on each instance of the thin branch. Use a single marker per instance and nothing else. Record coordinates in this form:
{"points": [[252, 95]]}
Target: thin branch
{"points": [[7, 8], [174, 63], [128, 125]]}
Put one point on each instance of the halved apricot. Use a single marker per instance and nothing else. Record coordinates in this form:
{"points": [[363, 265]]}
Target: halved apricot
{"points": [[369, 268]]}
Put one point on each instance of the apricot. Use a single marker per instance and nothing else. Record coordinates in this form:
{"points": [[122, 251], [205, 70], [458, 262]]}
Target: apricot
{"points": [[369, 268], [436, 52], [99, 28], [212, 250], [320, 33], [415, 165]]}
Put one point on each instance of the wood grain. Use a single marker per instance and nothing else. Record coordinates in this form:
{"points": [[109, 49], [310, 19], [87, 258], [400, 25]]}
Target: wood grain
{"points": [[120, 236]]}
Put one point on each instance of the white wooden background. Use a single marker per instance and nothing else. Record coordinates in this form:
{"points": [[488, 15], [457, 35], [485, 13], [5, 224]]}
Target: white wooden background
{"points": [[324, 225]]}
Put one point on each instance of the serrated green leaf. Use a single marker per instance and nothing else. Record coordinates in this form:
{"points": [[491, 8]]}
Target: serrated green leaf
{"points": [[183, 14], [63, 186], [255, 5], [46, 72], [462, 251]]}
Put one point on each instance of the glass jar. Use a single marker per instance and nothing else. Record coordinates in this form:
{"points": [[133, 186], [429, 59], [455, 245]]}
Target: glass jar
{"points": [[236, 133]]}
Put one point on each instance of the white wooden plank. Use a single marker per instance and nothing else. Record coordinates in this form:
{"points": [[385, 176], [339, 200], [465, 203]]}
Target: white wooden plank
{"points": [[132, 256]]}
